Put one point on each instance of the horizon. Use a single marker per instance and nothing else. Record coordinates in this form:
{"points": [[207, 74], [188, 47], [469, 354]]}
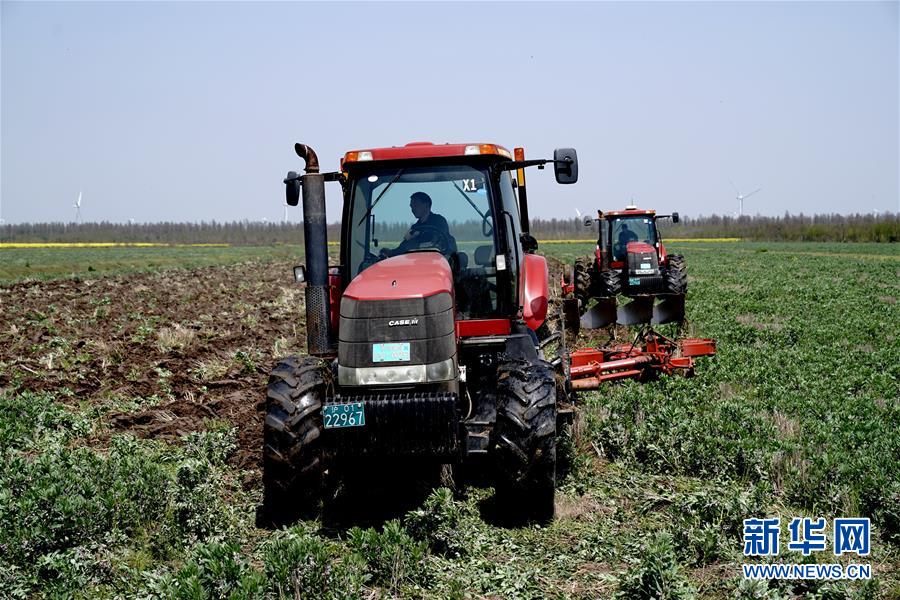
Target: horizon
{"points": [[886, 215]]}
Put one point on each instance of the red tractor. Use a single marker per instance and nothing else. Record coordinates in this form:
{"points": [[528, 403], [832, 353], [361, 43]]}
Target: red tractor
{"points": [[421, 341], [630, 260]]}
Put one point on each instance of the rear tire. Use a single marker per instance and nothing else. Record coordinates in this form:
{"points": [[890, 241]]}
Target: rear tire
{"points": [[525, 439], [292, 434], [676, 275], [553, 322]]}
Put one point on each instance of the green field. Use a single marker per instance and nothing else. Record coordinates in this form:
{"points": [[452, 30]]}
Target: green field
{"points": [[797, 415]]}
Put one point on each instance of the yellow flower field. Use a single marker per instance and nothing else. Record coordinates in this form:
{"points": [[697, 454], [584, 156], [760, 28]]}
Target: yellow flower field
{"points": [[104, 245], [672, 240]]}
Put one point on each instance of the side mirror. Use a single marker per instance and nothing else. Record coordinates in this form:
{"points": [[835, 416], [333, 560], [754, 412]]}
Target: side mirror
{"points": [[675, 218], [588, 222], [565, 165], [292, 188], [529, 243]]}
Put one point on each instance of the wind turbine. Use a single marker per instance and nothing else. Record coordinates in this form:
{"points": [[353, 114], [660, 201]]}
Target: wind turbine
{"points": [[77, 207], [741, 197]]}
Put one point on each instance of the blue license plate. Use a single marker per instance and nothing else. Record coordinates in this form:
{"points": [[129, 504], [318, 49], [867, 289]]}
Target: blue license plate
{"points": [[344, 415], [395, 352], [634, 281]]}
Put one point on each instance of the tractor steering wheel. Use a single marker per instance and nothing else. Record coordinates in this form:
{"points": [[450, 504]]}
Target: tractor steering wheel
{"points": [[438, 239]]}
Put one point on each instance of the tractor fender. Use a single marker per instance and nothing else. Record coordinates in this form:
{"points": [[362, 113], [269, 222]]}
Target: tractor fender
{"points": [[663, 257], [535, 290]]}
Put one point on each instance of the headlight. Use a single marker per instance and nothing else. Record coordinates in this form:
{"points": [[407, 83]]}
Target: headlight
{"points": [[440, 371], [397, 375]]}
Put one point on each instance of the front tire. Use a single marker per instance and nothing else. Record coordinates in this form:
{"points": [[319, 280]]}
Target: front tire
{"points": [[582, 274], [292, 447], [525, 439], [611, 283]]}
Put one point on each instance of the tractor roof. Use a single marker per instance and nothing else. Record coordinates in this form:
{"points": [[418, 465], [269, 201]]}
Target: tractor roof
{"points": [[416, 150], [630, 211]]}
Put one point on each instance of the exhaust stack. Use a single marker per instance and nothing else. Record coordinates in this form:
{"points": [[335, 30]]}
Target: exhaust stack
{"points": [[318, 322]]}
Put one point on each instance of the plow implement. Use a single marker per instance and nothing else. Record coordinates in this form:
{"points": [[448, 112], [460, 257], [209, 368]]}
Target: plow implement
{"points": [[650, 354], [640, 310]]}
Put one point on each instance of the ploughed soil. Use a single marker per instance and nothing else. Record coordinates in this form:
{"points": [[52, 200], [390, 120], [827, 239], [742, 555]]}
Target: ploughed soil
{"points": [[156, 354], [159, 355]]}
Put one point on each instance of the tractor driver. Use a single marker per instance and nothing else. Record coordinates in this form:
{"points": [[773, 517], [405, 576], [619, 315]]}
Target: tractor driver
{"points": [[430, 227], [625, 235]]}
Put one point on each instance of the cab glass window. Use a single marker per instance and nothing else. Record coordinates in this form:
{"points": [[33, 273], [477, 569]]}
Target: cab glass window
{"points": [[444, 208], [631, 229]]}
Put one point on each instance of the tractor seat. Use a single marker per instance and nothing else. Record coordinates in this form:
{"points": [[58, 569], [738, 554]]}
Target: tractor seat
{"points": [[484, 261], [484, 256], [474, 288], [459, 262]]}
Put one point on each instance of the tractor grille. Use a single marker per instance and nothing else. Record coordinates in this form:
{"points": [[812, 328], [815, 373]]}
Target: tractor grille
{"points": [[411, 424], [426, 324], [642, 264], [645, 284]]}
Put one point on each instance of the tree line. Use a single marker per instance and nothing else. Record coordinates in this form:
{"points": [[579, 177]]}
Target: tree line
{"points": [[806, 228], [884, 227]]}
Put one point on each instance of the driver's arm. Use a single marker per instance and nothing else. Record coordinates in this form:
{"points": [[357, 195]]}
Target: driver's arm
{"points": [[408, 237], [403, 246]]}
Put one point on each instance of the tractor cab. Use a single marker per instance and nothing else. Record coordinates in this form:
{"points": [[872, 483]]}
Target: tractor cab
{"points": [[446, 205], [620, 228]]}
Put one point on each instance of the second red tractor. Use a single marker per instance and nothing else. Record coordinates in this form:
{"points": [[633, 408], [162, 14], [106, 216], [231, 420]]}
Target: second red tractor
{"points": [[630, 260]]}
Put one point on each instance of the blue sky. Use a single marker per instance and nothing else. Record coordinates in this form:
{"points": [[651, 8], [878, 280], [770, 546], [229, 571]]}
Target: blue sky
{"points": [[189, 111]]}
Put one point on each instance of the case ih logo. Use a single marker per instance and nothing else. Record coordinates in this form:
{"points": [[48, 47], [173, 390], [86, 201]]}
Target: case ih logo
{"points": [[399, 322]]}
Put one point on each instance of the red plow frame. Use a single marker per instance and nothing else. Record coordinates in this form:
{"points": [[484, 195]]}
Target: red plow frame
{"points": [[650, 353]]}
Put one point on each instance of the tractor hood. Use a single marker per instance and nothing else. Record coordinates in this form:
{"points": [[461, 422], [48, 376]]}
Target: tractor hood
{"points": [[413, 275], [639, 248], [397, 323]]}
